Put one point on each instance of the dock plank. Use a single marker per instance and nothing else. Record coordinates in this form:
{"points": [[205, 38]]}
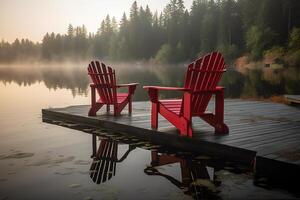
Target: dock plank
{"points": [[293, 99]]}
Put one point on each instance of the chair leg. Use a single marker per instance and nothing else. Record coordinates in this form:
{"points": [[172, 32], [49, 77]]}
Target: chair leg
{"points": [[116, 113], [117, 110], [220, 126], [186, 129], [107, 108], [94, 105], [93, 110], [154, 115], [187, 115], [190, 130], [129, 106]]}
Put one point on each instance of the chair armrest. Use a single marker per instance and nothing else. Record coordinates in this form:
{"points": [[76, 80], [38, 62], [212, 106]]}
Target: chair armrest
{"points": [[131, 87], [218, 89], [153, 91], [127, 85], [166, 88], [93, 86]]}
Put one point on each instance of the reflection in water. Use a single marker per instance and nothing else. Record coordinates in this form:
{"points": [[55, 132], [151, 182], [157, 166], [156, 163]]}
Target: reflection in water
{"points": [[261, 83], [198, 176], [258, 82], [195, 178], [105, 158], [54, 77], [156, 171]]}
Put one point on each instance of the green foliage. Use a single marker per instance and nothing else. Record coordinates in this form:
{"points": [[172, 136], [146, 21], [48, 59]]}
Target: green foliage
{"points": [[164, 55], [179, 53], [209, 31], [276, 54], [169, 54], [230, 52], [259, 39], [293, 59], [275, 51], [292, 78], [294, 39], [233, 81]]}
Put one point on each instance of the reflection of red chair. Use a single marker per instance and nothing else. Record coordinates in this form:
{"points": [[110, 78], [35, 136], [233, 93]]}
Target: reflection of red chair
{"points": [[190, 171], [103, 167], [104, 162], [201, 82], [104, 81]]}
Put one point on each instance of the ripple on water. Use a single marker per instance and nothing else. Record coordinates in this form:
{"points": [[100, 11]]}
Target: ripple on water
{"points": [[82, 162], [16, 155], [3, 179], [75, 185], [50, 161], [3, 197]]}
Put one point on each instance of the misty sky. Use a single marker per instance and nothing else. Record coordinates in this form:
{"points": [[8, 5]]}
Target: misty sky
{"points": [[33, 18]]}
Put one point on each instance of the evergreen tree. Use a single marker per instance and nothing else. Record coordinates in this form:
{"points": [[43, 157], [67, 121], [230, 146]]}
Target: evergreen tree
{"points": [[70, 31]]}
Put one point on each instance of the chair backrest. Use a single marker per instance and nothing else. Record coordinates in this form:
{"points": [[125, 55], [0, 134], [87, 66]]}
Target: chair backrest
{"points": [[105, 78], [204, 74]]}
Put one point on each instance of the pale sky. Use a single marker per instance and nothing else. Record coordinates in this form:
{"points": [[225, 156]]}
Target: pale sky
{"points": [[33, 18]]}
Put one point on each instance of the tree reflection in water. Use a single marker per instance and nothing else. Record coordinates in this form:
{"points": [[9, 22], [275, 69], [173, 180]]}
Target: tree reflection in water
{"points": [[255, 83]]}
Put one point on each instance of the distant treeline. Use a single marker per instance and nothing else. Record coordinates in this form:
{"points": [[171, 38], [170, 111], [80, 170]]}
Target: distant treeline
{"points": [[234, 27]]}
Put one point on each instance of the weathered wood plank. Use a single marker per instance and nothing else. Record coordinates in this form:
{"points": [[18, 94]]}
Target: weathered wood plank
{"points": [[293, 98]]}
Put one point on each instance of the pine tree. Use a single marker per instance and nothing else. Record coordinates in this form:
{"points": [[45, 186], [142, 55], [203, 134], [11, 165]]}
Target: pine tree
{"points": [[70, 31]]}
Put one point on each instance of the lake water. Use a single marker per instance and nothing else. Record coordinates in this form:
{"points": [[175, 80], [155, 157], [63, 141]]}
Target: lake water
{"points": [[44, 161]]}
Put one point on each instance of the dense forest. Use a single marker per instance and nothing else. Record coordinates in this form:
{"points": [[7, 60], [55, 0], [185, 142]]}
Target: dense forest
{"points": [[255, 28]]}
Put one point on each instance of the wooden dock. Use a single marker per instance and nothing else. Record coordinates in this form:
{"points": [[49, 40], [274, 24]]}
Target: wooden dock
{"points": [[293, 99], [262, 133]]}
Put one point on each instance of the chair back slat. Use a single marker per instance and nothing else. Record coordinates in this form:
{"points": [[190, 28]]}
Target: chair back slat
{"points": [[103, 76], [204, 74], [112, 82], [102, 82]]}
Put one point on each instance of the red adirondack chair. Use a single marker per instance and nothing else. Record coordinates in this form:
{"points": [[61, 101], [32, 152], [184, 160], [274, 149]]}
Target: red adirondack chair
{"points": [[201, 81], [104, 81]]}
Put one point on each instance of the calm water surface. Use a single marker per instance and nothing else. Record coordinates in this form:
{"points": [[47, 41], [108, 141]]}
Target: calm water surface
{"points": [[45, 161]]}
